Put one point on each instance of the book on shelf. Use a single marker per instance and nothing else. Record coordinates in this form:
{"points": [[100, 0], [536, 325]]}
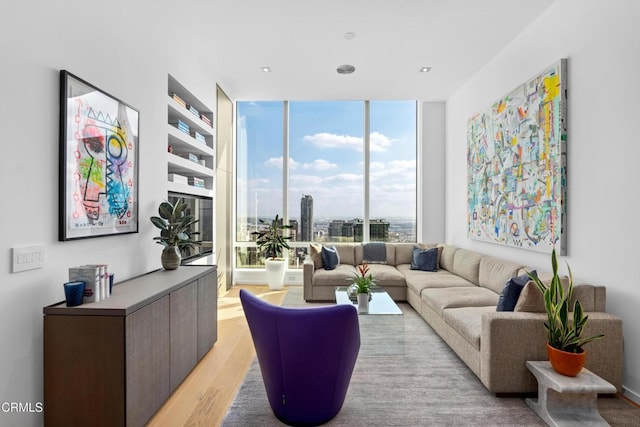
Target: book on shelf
{"points": [[96, 281], [198, 136], [205, 119], [178, 99], [190, 156], [194, 181], [91, 279], [182, 126], [193, 110]]}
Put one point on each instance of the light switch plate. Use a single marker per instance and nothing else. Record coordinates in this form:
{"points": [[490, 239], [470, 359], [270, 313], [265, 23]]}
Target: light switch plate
{"points": [[27, 257]]}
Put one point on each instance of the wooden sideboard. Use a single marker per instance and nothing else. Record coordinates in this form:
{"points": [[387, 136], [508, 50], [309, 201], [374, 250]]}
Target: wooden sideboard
{"points": [[115, 362]]}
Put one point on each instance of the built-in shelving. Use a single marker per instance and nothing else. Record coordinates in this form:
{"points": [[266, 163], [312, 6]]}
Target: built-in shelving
{"points": [[181, 144]]}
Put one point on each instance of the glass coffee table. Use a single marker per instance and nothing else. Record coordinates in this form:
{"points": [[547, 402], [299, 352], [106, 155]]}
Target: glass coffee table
{"points": [[380, 303]]}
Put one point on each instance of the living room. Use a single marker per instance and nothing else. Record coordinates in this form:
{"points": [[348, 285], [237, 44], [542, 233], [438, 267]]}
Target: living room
{"points": [[152, 40]]}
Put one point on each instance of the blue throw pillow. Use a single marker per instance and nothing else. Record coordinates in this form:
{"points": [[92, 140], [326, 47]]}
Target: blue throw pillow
{"points": [[511, 292], [330, 257], [424, 259]]}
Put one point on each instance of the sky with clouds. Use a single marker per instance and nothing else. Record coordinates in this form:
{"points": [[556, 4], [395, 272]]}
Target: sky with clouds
{"points": [[326, 158]]}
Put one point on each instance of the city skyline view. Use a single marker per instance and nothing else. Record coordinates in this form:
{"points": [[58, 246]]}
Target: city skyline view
{"points": [[326, 157]]}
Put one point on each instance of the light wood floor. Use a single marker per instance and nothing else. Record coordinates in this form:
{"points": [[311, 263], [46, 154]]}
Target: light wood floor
{"points": [[204, 396]]}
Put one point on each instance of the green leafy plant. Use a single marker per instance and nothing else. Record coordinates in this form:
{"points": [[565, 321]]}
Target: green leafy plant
{"points": [[362, 281], [270, 238], [175, 225], [564, 331]]}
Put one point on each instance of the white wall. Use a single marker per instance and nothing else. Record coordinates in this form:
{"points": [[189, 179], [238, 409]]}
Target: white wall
{"points": [[432, 172], [600, 41], [123, 48]]}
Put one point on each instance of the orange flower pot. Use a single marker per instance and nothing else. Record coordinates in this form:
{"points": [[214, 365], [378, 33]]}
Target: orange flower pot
{"points": [[565, 363]]}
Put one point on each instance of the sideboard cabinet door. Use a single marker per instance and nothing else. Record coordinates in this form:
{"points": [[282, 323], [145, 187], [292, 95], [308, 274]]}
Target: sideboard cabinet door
{"points": [[207, 313], [147, 360]]}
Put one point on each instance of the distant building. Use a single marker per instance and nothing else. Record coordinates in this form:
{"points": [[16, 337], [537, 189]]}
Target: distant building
{"points": [[339, 229], [378, 230], [293, 231], [306, 218]]}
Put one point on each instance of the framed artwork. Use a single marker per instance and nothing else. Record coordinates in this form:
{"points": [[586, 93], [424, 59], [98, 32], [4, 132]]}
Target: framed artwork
{"points": [[99, 140], [516, 163]]}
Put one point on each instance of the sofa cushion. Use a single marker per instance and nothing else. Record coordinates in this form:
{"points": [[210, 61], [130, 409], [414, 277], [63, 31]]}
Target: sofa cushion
{"points": [[336, 277], [417, 280], [494, 273], [404, 252], [473, 296], [390, 258], [315, 253], [466, 264], [446, 259], [467, 321], [330, 257], [347, 252], [424, 259], [511, 292], [386, 275], [531, 299]]}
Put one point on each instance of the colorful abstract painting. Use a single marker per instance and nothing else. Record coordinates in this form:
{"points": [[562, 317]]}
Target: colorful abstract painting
{"points": [[99, 181], [516, 162]]}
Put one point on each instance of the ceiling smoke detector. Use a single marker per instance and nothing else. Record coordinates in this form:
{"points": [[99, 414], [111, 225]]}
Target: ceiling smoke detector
{"points": [[346, 69], [349, 35], [425, 69]]}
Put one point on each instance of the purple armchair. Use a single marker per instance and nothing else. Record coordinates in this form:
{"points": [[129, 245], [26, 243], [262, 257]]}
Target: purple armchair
{"points": [[306, 356]]}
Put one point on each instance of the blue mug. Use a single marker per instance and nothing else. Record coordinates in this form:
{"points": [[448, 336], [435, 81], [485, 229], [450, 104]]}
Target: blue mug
{"points": [[74, 293]]}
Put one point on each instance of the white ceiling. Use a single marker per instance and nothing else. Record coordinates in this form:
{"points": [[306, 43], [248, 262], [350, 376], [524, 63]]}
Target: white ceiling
{"points": [[303, 42]]}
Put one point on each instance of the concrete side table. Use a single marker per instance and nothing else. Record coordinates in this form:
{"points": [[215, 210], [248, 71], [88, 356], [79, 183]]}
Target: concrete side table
{"points": [[568, 401]]}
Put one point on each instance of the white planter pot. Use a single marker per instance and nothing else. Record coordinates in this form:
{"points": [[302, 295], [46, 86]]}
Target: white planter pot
{"points": [[275, 268], [363, 303]]}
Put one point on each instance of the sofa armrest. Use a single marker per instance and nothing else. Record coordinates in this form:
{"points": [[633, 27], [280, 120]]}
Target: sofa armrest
{"points": [[509, 339], [308, 268]]}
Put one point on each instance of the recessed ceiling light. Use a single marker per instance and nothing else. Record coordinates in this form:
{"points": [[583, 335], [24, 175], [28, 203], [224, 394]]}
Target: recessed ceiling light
{"points": [[349, 35], [266, 69], [346, 69], [425, 69]]}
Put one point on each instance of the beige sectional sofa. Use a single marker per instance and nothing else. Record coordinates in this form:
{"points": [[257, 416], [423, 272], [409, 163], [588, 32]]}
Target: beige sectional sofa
{"points": [[459, 302]]}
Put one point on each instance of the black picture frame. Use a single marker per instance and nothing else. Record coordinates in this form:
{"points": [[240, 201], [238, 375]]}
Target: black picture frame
{"points": [[99, 162]]}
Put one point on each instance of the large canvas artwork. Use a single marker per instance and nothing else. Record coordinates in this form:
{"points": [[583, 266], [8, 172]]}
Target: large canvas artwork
{"points": [[98, 162], [516, 160]]}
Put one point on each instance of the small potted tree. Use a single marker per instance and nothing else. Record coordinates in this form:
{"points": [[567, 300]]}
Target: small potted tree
{"points": [[272, 243], [564, 331], [175, 232]]}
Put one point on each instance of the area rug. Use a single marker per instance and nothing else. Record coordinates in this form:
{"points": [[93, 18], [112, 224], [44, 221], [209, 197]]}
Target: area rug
{"points": [[407, 376]]}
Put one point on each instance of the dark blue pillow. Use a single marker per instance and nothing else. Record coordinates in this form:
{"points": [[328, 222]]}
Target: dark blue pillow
{"points": [[330, 257], [424, 259], [511, 292]]}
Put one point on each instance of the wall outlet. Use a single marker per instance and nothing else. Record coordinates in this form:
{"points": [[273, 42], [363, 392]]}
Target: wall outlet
{"points": [[27, 258]]}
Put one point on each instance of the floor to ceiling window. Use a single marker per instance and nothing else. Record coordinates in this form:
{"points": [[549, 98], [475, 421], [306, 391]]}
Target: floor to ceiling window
{"points": [[350, 174]]}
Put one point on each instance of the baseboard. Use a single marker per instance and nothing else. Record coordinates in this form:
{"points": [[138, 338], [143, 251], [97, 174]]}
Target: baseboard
{"points": [[631, 395]]}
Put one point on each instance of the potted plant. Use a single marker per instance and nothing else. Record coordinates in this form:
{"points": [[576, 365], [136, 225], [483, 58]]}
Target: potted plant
{"points": [[175, 232], [361, 286], [272, 243], [564, 332]]}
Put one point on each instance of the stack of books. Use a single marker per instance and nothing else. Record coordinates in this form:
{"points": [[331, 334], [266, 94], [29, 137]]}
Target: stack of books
{"points": [[190, 156], [96, 281], [178, 99], [193, 110], [198, 136], [196, 182], [182, 126], [205, 119]]}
